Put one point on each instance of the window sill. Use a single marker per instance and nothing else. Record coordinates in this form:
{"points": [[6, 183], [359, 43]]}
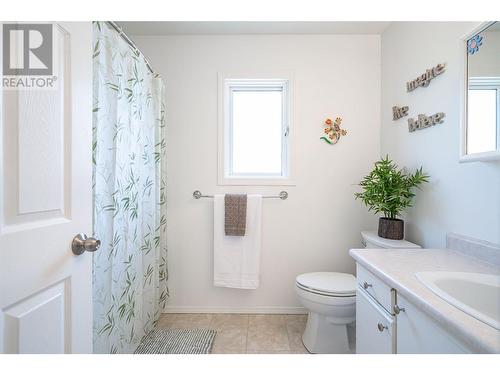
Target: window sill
{"points": [[481, 156], [262, 181]]}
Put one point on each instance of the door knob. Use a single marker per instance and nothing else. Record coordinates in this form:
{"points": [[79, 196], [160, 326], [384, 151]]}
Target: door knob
{"points": [[81, 243]]}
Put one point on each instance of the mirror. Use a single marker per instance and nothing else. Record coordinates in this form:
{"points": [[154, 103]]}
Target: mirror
{"points": [[481, 115]]}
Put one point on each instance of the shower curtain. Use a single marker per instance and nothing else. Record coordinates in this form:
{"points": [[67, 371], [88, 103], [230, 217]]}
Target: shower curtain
{"points": [[130, 268]]}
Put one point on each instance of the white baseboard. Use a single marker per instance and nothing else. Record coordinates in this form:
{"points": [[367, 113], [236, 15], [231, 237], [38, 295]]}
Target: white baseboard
{"points": [[235, 310]]}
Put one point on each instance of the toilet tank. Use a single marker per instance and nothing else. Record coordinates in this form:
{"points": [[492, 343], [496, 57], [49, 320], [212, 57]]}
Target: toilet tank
{"points": [[370, 240]]}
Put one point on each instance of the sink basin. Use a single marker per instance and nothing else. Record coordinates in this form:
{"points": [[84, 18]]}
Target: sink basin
{"points": [[476, 294]]}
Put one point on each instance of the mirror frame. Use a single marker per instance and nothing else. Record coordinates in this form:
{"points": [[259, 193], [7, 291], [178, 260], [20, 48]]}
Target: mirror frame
{"points": [[464, 89]]}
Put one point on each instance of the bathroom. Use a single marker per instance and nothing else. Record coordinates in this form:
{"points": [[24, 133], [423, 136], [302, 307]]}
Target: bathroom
{"points": [[210, 187]]}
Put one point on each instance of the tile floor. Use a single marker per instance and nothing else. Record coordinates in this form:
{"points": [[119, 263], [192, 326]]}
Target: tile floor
{"points": [[246, 333]]}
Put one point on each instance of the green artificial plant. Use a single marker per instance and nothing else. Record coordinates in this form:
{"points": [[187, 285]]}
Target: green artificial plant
{"points": [[388, 189]]}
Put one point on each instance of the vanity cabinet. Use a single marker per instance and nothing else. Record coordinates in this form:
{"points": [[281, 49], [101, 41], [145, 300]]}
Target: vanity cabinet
{"points": [[388, 323], [375, 328], [375, 322], [418, 333]]}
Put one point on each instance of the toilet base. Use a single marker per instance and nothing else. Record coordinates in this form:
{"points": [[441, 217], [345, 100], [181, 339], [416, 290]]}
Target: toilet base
{"points": [[322, 336]]}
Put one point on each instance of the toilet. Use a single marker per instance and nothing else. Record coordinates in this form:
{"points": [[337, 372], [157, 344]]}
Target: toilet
{"points": [[330, 298]]}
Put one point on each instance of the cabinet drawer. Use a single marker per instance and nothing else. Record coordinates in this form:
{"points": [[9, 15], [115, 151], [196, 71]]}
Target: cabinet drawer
{"points": [[375, 287], [375, 328]]}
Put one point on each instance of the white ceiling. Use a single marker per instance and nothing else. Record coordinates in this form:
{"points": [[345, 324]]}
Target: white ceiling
{"points": [[247, 27]]}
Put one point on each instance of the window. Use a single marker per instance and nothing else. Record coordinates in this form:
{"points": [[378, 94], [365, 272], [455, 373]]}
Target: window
{"points": [[483, 118], [255, 127]]}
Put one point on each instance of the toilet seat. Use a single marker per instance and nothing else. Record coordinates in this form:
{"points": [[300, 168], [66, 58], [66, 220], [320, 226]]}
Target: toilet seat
{"points": [[332, 284], [318, 293]]}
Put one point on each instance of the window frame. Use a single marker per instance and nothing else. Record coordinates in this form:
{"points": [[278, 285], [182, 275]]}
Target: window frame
{"points": [[487, 84], [464, 157], [228, 84]]}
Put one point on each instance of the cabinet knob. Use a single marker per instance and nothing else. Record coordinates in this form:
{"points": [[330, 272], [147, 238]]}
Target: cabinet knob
{"points": [[398, 309], [366, 285], [381, 327]]}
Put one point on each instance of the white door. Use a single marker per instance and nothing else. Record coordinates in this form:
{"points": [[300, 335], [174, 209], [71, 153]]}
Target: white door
{"points": [[46, 199]]}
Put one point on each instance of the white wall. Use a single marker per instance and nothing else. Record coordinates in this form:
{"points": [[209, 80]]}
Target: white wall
{"points": [[312, 230], [462, 198]]}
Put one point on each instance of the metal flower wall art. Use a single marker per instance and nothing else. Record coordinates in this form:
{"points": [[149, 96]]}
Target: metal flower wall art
{"points": [[474, 43], [333, 130]]}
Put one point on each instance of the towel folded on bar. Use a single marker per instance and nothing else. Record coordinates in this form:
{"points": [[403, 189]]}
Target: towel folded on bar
{"points": [[235, 214], [237, 258]]}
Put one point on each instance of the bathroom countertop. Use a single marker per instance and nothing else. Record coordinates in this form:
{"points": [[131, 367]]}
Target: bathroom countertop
{"points": [[397, 268]]}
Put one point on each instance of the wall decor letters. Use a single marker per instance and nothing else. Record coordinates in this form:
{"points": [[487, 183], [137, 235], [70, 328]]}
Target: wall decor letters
{"points": [[424, 121], [399, 112], [425, 78]]}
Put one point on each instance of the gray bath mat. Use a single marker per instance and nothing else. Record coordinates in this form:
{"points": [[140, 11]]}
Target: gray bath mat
{"points": [[177, 341]]}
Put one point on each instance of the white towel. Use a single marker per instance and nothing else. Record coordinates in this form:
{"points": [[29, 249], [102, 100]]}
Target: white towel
{"points": [[237, 258]]}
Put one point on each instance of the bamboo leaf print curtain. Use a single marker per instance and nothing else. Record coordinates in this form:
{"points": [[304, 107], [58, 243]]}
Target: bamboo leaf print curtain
{"points": [[130, 268]]}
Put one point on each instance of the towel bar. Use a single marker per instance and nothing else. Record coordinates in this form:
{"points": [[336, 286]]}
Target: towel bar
{"points": [[283, 195]]}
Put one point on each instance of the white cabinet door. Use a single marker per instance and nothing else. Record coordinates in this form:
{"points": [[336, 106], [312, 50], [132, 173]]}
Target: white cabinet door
{"points": [[374, 326], [46, 198], [418, 333]]}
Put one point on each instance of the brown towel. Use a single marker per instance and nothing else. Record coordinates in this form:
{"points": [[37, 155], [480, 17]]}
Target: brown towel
{"points": [[235, 218]]}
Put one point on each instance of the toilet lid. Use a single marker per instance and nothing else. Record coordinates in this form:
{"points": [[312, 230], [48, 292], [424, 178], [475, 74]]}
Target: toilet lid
{"points": [[334, 283]]}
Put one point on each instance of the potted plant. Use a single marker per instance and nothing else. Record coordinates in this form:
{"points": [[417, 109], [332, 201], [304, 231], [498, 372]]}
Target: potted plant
{"points": [[388, 189]]}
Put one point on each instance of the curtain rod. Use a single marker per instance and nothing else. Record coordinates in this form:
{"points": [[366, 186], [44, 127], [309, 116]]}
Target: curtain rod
{"points": [[124, 36]]}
